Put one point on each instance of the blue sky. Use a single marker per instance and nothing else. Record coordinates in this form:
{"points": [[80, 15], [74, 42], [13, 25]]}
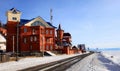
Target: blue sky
{"points": [[95, 23]]}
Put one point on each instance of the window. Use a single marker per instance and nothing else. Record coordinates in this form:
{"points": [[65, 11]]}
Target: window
{"points": [[46, 31], [35, 38], [31, 38], [33, 31], [14, 12], [48, 40], [14, 18], [25, 40], [42, 31], [51, 47], [50, 31], [37, 23], [47, 47], [25, 30]]}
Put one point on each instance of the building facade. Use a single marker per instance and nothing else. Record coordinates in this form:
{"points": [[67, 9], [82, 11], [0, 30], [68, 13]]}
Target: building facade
{"points": [[23, 35], [82, 47]]}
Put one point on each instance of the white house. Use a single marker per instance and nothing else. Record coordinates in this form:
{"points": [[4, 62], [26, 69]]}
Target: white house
{"points": [[2, 43]]}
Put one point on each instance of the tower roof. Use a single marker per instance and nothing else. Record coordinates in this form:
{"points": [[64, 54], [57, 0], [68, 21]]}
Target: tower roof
{"points": [[14, 10], [59, 27], [67, 34]]}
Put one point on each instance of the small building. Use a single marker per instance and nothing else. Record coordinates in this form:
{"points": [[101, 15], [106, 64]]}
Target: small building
{"points": [[63, 41], [2, 43], [3, 33], [82, 47]]}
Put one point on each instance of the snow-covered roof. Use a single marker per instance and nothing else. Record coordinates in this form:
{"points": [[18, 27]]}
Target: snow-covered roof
{"points": [[2, 39]]}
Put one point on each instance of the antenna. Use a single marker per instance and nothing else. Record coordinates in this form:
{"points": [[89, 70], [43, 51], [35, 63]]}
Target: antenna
{"points": [[51, 17]]}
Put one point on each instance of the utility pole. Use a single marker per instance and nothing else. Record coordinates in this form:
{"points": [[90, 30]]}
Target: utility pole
{"points": [[51, 16]]}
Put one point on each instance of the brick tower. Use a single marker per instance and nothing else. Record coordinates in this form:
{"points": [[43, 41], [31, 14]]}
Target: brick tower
{"points": [[13, 19], [59, 35]]}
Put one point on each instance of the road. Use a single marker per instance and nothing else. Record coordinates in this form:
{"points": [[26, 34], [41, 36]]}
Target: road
{"points": [[60, 65]]}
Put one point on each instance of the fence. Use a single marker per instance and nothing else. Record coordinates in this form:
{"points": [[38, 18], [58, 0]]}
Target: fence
{"points": [[4, 57]]}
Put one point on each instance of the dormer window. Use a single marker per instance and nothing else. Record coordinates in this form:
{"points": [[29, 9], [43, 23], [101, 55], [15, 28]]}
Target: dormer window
{"points": [[14, 12], [14, 18]]}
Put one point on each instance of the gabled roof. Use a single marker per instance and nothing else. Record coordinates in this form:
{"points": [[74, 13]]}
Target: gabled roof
{"points": [[50, 24], [67, 34], [74, 47], [14, 10], [26, 21]]}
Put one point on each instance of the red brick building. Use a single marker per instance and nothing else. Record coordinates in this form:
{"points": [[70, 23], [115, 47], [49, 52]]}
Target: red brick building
{"points": [[35, 35], [63, 41], [23, 35]]}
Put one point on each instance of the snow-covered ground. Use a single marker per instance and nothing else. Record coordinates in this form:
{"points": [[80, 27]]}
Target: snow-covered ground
{"points": [[29, 62], [95, 62], [113, 56]]}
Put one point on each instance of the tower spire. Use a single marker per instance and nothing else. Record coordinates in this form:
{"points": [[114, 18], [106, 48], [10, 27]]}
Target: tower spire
{"points": [[59, 27], [51, 17]]}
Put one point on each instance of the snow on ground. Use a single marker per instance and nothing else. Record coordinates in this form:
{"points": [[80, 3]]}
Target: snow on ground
{"points": [[113, 56], [95, 62], [29, 62]]}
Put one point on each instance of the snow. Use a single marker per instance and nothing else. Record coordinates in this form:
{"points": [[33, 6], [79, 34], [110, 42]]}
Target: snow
{"points": [[2, 43], [2, 39], [52, 54], [115, 56], [29, 62], [95, 62]]}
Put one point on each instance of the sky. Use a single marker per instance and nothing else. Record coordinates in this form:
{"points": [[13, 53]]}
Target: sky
{"points": [[95, 23]]}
